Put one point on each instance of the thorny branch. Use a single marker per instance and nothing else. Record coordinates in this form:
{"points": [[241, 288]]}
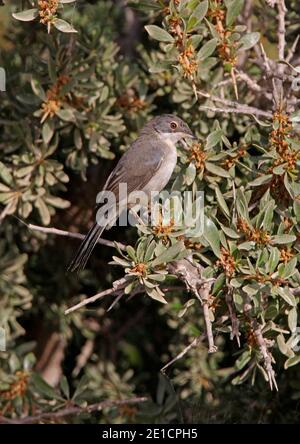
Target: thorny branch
{"points": [[263, 345], [189, 272]]}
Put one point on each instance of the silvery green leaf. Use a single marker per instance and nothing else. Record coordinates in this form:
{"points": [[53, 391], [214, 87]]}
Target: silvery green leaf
{"points": [[283, 239], [169, 254], [273, 260], [234, 8], [294, 360], [159, 34], [264, 178], [26, 16], [157, 294], [286, 294], [249, 40], [213, 139], [207, 49], [222, 203], [63, 26], [216, 170], [211, 235], [292, 319]]}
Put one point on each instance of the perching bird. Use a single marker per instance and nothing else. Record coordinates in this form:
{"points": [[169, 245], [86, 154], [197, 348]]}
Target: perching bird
{"points": [[147, 165]]}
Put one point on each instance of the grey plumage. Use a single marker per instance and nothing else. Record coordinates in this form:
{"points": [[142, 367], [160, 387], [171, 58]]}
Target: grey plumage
{"points": [[147, 165]]}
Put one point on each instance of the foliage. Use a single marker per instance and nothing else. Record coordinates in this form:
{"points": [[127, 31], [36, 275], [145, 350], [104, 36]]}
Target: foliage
{"points": [[82, 79]]}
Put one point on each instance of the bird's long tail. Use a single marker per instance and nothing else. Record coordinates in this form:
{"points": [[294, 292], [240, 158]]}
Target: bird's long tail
{"points": [[86, 248]]}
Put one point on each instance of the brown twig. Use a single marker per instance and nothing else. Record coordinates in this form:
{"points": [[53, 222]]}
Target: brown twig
{"points": [[73, 410], [235, 333], [117, 287], [189, 272], [262, 344], [180, 355], [281, 30], [56, 231]]}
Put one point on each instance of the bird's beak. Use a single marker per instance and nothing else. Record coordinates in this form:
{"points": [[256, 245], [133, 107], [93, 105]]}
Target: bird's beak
{"points": [[190, 135]]}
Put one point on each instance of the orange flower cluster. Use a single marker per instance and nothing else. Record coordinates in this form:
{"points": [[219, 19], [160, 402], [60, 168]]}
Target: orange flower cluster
{"points": [[131, 102], [188, 62], [187, 55], [141, 269], [226, 49], [198, 155], [47, 10], [163, 230], [286, 254], [260, 237], [54, 98], [230, 161], [283, 127], [226, 262], [277, 139], [17, 388]]}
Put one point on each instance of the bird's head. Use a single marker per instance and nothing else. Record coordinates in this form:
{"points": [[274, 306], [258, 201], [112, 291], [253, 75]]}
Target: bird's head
{"points": [[171, 128]]}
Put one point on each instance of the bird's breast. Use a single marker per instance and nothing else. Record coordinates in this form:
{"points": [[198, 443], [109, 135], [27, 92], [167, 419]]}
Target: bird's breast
{"points": [[164, 173]]}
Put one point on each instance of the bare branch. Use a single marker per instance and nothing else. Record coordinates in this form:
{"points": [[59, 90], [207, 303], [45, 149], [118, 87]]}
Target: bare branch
{"points": [[193, 344], [292, 49], [281, 29], [189, 272], [235, 333], [117, 286], [56, 231], [72, 410]]}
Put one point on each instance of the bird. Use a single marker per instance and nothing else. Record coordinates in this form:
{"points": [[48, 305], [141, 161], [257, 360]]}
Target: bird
{"points": [[147, 165]]}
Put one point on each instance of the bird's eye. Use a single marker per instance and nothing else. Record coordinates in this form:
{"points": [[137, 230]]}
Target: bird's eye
{"points": [[173, 125]]}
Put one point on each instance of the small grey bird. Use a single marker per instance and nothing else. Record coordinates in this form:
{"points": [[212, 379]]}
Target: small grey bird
{"points": [[147, 166]]}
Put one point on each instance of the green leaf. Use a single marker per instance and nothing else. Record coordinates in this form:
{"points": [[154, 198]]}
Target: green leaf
{"points": [[63, 26], [169, 254], [216, 170], [234, 8], [38, 89], [43, 387], [66, 114], [5, 174], [273, 260], [57, 202], [211, 235], [249, 40], [287, 270], [157, 294], [292, 319], [65, 386], [43, 210], [47, 131], [26, 16], [294, 360], [213, 139], [283, 239], [287, 296], [82, 386], [222, 203], [265, 178], [159, 34], [207, 49], [200, 11]]}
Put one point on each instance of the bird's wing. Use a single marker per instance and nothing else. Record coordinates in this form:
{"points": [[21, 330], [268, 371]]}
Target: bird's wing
{"points": [[137, 166]]}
